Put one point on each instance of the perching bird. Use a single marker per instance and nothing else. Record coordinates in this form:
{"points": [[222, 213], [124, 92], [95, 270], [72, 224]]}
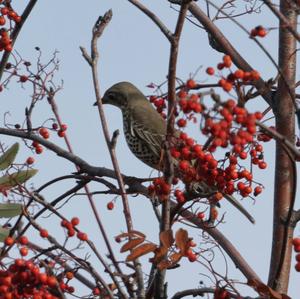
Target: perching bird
{"points": [[145, 129]]}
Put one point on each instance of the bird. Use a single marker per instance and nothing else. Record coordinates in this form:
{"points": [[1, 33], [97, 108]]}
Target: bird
{"points": [[145, 131]]}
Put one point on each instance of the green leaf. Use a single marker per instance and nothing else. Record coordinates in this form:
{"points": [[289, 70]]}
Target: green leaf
{"points": [[4, 232], [17, 178], [8, 210], [9, 156]]}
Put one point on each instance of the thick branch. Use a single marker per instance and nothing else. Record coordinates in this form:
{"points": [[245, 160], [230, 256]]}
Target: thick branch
{"points": [[285, 180]]}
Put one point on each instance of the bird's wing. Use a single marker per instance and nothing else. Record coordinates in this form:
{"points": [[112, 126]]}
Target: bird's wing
{"points": [[148, 125]]}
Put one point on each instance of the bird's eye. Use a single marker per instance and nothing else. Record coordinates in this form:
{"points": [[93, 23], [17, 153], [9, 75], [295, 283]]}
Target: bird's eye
{"points": [[111, 96]]}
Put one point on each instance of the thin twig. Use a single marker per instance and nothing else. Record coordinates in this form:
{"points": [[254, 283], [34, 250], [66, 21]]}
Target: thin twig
{"points": [[154, 18]]}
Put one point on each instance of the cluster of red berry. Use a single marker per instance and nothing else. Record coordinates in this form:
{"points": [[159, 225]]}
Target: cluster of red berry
{"points": [[70, 226], [23, 279], [259, 31], [226, 125], [160, 187], [45, 133], [7, 13]]}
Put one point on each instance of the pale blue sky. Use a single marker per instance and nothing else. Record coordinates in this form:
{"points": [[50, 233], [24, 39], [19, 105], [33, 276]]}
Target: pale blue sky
{"points": [[133, 49]]}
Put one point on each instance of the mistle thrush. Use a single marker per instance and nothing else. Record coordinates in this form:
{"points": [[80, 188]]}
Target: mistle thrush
{"points": [[145, 130]]}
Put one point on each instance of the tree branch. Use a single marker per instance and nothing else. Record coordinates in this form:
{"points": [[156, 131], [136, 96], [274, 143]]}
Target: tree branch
{"points": [[98, 29]]}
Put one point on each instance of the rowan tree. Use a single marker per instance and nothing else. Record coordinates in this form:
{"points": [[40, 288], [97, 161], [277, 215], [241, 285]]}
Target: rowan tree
{"points": [[218, 135]]}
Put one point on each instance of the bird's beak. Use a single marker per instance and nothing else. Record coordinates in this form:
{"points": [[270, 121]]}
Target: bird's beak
{"points": [[103, 101]]}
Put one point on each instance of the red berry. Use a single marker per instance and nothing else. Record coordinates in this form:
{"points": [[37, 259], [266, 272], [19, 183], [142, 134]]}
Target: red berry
{"points": [[9, 241], [191, 255], [82, 236], [69, 275], [184, 165], [2, 21], [71, 233], [239, 74], [64, 127], [61, 133], [96, 292], [4, 11], [8, 48], [210, 71], [17, 19], [227, 86], [296, 242], [110, 205], [262, 164], [181, 122], [261, 32], [297, 248], [297, 267], [23, 78], [298, 257], [39, 149], [44, 233], [23, 240], [75, 221], [12, 14], [43, 131], [30, 160], [257, 190], [51, 281], [190, 84], [227, 61], [201, 215], [19, 262], [23, 251]]}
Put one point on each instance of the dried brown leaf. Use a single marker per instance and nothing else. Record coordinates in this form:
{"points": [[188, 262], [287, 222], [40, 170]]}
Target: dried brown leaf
{"points": [[131, 244], [182, 240], [166, 238], [163, 265], [131, 234], [141, 250], [160, 252], [175, 257]]}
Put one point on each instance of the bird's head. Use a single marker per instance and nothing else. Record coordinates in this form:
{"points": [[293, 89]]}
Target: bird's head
{"points": [[121, 94]]}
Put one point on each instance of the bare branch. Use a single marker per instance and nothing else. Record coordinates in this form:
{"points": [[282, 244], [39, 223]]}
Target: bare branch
{"points": [[98, 29], [154, 18]]}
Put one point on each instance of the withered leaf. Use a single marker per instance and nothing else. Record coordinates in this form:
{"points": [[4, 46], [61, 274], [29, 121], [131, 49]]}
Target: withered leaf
{"points": [[164, 265], [175, 257], [141, 250], [182, 240], [131, 244], [160, 252], [131, 234], [166, 238]]}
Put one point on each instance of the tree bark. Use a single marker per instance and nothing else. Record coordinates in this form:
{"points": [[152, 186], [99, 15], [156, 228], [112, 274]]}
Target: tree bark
{"points": [[284, 187]]}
